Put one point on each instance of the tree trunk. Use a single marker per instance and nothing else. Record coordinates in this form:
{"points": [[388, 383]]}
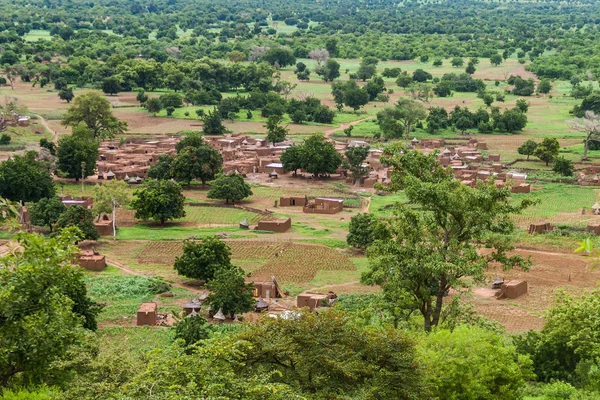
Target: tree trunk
{"points": [[586, 143], [162, 221], [439, 301], [427, 316]]}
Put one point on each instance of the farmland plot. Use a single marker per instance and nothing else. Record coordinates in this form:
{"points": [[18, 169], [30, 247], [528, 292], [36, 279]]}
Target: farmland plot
{"points": [[288, 262]]}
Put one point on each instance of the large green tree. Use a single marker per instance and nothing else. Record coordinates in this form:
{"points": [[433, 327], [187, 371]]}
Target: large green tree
{"points": [[276, 132], [161, 201], [109, 194], [362, 230], [355, 159], [46, 212], [473, 363], [73, 150], [326, 353], [80, 217], [202, 259], [191, 139], [23, 178], [94, 111], [547, 150], [44, 308], [316, 156], [437, 235], [329, 71], [229, 291], [229, 187], [527, 148], [213, 123], [568, 345], [162, 168], [203, 162], [400, 120]]}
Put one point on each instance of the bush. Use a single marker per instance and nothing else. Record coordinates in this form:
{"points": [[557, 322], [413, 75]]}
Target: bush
{"points": [[472, 363], [170, 111], [563, 166], [4, 139], [192, 329]]}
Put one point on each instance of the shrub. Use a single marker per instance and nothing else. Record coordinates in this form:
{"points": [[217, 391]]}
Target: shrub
{"points": [[563, 166], [4, 139]]}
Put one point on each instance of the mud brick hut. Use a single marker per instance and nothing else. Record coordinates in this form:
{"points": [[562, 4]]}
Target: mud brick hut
{"points": [[146, 314], [512, 290], [315, 300], [292, 201], [324, 205], [279, 226], [268, 289], [540, 228], [91, 261], [104, 224]]}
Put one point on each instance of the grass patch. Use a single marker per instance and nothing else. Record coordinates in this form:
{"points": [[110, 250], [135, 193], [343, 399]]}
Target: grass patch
{"points": [[174, 232], [121, 294]]}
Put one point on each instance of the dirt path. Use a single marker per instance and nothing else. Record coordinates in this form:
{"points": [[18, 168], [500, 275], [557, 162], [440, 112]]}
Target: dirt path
{"points": [[344, 126], [45, 123]]}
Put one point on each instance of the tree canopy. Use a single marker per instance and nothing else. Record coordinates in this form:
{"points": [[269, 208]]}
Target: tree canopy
{"points": [[435, 238], [316, 156], [229, 187], [161, 201], [202, 259], [23, 178], [94, 111], [44, 310]]}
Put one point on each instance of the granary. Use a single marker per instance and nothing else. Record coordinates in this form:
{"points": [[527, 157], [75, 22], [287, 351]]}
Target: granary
{"points": [[146, 314], [261, 305], [291, 201], [279, 226], [219, 316], [91, 260], [191, 306], [512, 290], [273, 175], [497, 284], [244, 224], [104, 224], [323, 205]]}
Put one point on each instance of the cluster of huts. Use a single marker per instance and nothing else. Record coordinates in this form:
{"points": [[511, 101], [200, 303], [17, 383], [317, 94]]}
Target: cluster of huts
{"points": [[244, 154], [268, 296]]}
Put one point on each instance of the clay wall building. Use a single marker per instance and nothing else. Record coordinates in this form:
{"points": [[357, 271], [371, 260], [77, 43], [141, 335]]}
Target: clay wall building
{"points": [[540, 228], [104, 224], [323, 205], [268, 289], [512, 289], [146, 314], [91, 261], [279, 226], [292, 201], [314, 300]]}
